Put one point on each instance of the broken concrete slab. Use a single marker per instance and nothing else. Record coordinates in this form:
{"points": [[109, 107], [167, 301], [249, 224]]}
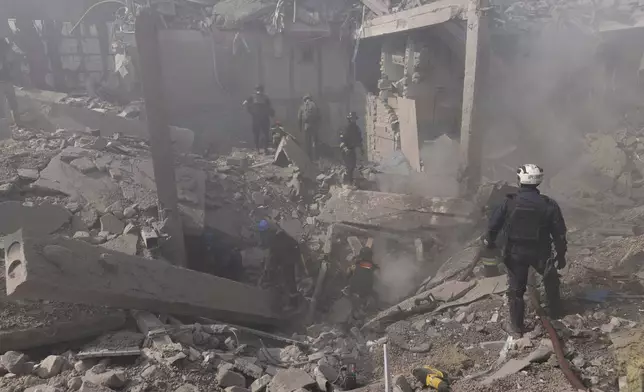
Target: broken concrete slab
{"points": [[261, 383], [83, 165], [117, 344], [37, 220], [28, 174], [511, 367], [111, 224], [289, 151], [288, 380], [23, 339], [59, 176], [125, 244], [456, 264], [483, 288], [394, 211], [52, 114], [229, 378], [292, 227], [452, 290], [61, 269]]}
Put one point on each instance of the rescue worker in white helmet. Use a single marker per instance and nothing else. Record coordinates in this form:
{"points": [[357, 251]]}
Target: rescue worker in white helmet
{"points": [[532, 223]]}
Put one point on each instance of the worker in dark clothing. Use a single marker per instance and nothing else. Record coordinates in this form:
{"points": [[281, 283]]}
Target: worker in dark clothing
{"points": [[284, 255], [261, 110], [308, 117], [350, 139], [532, 223], [8, 63], [361, 274]]}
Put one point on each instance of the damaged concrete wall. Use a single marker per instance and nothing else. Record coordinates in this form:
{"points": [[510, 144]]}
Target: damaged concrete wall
{"points": [[209, 98], [381, 129]]}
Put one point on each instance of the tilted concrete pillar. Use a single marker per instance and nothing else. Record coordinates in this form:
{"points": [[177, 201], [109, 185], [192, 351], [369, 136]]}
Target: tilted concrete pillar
{"points": [[61, 269]]}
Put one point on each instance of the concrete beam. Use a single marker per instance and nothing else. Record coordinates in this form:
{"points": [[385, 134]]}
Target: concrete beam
{"points": [[62, 331], [476, 69], [61, 269], [426, 15]]}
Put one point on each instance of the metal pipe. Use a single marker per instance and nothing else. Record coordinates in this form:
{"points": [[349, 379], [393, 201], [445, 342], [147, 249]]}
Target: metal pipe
{"points": [[386, 367], [556, 344]]}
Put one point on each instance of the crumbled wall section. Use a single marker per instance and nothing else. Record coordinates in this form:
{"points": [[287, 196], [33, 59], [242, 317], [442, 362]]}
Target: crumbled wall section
{"points": [[382, 136]]}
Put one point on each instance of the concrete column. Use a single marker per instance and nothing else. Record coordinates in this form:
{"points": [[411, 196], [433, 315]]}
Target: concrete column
{"points": [[147, 42], [386, 67], [476, 69]]}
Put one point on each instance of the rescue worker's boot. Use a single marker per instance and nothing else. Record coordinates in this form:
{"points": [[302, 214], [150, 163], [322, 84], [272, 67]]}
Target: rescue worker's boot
{"points": [[553, 296], [517, 313]]}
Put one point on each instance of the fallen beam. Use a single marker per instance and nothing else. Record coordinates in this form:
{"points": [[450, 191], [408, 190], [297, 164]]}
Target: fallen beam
{"points": [[23, 339], [61, 269], [426, 15]]}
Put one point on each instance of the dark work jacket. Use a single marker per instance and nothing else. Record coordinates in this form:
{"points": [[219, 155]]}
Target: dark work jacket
{"points": [[552, 230], [351, 136]]}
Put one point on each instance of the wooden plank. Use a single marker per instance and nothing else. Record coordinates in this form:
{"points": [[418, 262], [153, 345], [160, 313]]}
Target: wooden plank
{"points": [[61, 269], [426, 15]]}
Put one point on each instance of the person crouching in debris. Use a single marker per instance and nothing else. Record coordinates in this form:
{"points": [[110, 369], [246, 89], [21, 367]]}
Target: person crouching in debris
{"points": [[261, 110], [284, 254], [308, 117], [361, 277], [350, 139], [532, 223]]}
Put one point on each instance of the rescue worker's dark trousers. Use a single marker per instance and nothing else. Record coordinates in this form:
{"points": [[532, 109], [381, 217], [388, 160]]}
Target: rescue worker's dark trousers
{"points": [[350, 160], [310, 132], [518, 267], [261, 127]]}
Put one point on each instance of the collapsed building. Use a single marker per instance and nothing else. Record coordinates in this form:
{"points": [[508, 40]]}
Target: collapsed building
{"points": [[83, 201]]}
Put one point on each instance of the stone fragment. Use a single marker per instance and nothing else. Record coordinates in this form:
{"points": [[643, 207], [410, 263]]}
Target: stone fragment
{"points": [[14, 362], [84, 165], [84, 365], [248, 368], [28, 174], [124, 244], [236, 389], [116, 174], [151, 372], [228, 378], [261, 383], [90, 387], [111, 224], [288, 380], [82, 235], [50, 366], [187, 388], [43, 388], [74, 383], [89, 216], [401, 384], [130, 211], [109, 378]]}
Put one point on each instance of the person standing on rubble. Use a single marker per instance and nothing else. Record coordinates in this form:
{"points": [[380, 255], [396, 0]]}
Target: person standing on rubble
{"points": [[284, 255], [350, 139], [532, 223], [261, 110], [308, 118], [8, 63]]}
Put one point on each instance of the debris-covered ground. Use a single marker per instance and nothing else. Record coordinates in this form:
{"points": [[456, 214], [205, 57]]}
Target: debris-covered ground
{"points": [[100, 189]]}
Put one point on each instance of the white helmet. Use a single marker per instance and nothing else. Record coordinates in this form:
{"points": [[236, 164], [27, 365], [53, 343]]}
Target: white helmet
{"points": [[530, 174]]}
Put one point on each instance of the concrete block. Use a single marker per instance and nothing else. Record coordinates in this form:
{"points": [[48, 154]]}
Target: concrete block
{"points": [[261, 383], [61, 269], [228, 378], [288, 380], [111, 224], [50, 366]]}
